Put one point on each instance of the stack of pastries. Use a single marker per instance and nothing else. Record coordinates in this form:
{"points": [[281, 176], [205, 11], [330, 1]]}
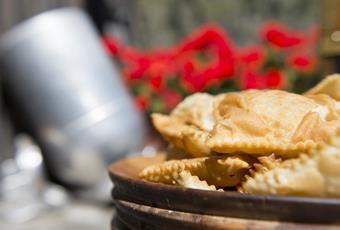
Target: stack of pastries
{"points": [[254, 141]]}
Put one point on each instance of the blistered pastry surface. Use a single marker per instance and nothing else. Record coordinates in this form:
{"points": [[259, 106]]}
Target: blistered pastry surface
{"points": [[252, 122], [316, 174], [263, 141], [221, 171]]}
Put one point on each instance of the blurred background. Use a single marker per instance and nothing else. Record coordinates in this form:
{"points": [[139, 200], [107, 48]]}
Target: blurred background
{"points": [[80, 78]]}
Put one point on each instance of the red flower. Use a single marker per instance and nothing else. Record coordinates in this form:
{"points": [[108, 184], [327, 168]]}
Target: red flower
{"points": [[280, 36], [220, 70], [303, 62], [142, 102], [271, 79], [137, 70], [209, 36], [195, 83], [193, 79], [211, 40], [188, 68], [275, 79], [111, 45], [207, 58], [157, 82], [130, 56], [159, 67], [196, 79], [252, 80], [171, 98], [252, 57]]}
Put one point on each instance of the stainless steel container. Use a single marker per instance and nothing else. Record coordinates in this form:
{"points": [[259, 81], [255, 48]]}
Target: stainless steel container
{"points": [[69, 91]]}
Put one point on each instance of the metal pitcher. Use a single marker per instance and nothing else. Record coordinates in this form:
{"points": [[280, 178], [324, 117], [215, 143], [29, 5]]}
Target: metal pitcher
{"points": [[71, 95]]}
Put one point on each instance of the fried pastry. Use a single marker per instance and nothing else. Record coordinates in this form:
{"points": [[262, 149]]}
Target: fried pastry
{"points": [[214, 142], [253, 122], [186, 137], [188, 125], [329, 86], [187, 180], [317, 174], [263, 122], [221, 171], [196, 110]]}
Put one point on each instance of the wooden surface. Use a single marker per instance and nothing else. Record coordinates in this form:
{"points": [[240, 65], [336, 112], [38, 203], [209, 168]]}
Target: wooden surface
{"points": [[146, 195], [135, 216]]}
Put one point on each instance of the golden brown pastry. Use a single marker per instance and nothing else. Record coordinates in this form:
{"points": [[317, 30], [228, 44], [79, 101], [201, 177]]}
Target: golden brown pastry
{"points": [[213, 141], [329, 86], [187, 180], [183, 136], [188, 125], [252, 122], [317, 174], [220, 171], [196, 110], [267, 121]]}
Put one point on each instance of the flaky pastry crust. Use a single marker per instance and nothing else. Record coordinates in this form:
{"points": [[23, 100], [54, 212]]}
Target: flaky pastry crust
{"points": [[263, 122], [329, 86], [221, 171], [187, 180], [253, 122], [316, 174]]}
